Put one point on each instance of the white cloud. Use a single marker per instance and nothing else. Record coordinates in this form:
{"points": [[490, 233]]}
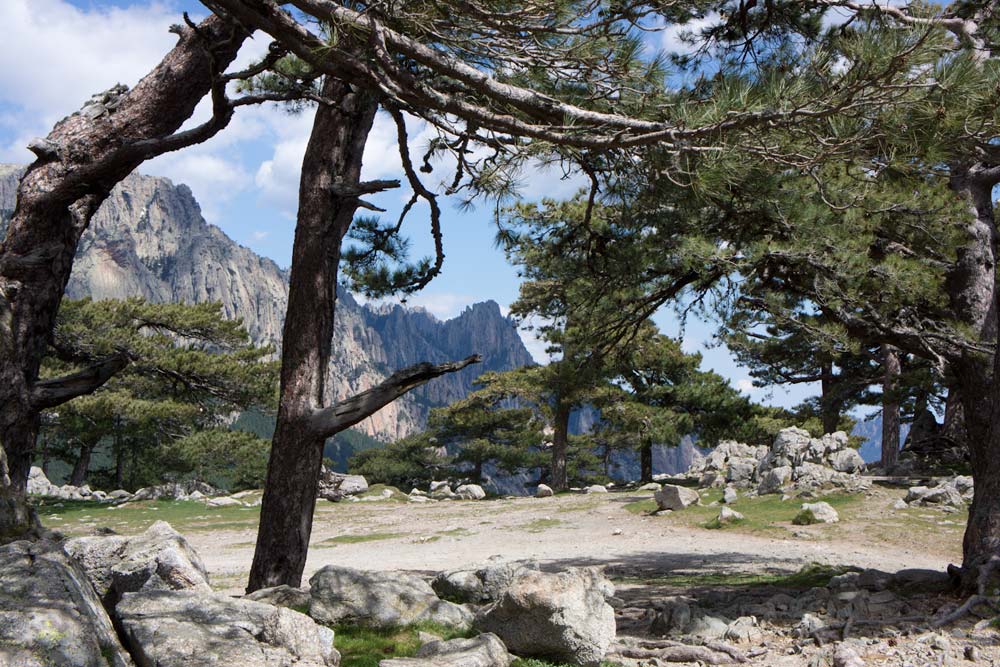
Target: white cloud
{"points": [[214, 180], [56, 56], [260, 235], [675, 38]]}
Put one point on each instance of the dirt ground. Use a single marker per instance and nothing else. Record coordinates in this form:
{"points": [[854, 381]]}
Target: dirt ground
{"points": [[613, 530]]}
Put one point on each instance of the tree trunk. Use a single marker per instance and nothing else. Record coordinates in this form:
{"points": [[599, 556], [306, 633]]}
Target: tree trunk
{"points": [[890, 407], [332, 165], [971, 288], [82, 465], [78, 164], [829, 407], [646, 462], [560, 445]]}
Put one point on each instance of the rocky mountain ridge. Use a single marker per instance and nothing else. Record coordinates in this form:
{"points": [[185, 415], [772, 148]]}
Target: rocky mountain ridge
{"points": [[150, 240]]}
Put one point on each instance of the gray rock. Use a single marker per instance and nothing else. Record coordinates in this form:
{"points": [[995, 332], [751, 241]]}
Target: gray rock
{"points": [[49, 613], [672, 617], [652, 486], [847, 460], [486, 650], [744, 630], [470, 492], [335, 486], [39, 484], [282, 596], [595, 488], [544, 491], [224, 501], [158, 559], [707, 626], [482, 584], [741, 471], [563, 617], [819, 512], [197, 629], [379, 599], [774, 480], [729, 495], [728, 515], [846, 655], [672, 497]]}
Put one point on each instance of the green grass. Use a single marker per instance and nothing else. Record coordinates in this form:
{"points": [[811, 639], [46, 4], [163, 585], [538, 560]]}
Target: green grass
{"points": [[364, 647], [354, 539], [541, 525], [76, 517]]}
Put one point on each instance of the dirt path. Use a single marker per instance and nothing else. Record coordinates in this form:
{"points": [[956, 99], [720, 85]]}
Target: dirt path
{"points": [[602, 529]]}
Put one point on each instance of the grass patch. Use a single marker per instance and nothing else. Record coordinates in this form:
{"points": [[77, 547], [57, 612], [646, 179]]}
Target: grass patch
{"points": [[77, 517], [377, 491], [541, 525], [354, 539], [365, 647]]}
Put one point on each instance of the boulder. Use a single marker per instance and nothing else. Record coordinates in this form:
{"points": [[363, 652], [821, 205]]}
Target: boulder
{"points": [[652, 486], [563, 617], [819, 512], [741, 471], [729, 495], [485, 650], [379, 599], [672, 497], [544, 491], [224, 501], [282, 596], [334, 486], [596, 488], [482, 584], [728, 515], [437, 486], [847, 460], [158, 559], [470, 492], [49, 613], [39, 484], [706, 626], [198, 629], [744, 630], [774, 480], [673, 616]]}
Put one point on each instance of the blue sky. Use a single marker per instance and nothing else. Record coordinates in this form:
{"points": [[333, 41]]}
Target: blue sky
{"points": [[56, 53]]}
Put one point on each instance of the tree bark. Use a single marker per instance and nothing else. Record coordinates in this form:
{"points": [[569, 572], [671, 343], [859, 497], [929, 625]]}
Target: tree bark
{"points": [[890, 407], [82, 465], [332, 164], [560, 445], [646, 462], [78, 164], [973, 297], [829, 407]]}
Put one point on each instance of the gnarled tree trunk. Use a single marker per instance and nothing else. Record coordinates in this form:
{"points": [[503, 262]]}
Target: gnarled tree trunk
{"points": [[973, 296], [78, 164], [329, 192]]}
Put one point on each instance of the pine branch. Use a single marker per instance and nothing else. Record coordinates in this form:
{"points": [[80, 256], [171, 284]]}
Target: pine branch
{"points": [[56, 391]]}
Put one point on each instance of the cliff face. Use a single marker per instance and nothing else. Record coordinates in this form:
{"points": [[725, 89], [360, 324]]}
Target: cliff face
{"points": [[150, 240]]}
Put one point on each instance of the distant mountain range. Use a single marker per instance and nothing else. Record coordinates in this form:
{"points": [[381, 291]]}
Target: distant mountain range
{"points": [[150, 240]]}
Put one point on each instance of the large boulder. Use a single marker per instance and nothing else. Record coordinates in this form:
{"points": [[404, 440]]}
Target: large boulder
{"points": [[198, 629], [158, 559], [847, 460], [774, 480], [470, 492], [673, 497], [820, 512], [49, 613], [563, 617], [485, 650], [39, 484], [282, 596], [379, 599], [482, 584], [544, 491], [335, 486]]}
